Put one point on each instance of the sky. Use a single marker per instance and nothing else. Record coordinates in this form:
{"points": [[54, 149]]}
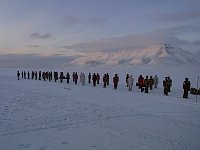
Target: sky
{"points": [[70, 27]]}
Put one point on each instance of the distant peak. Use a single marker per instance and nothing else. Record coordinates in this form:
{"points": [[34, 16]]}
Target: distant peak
{"points": [[169, 49]]}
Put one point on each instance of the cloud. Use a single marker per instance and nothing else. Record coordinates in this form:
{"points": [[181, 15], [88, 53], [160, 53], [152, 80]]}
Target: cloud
{"points": [[174, 17], [37, 35], [137, 41], [46, 36]]}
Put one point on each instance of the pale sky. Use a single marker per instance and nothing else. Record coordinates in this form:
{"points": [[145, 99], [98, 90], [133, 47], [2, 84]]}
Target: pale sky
{"points": [[71, 26]]}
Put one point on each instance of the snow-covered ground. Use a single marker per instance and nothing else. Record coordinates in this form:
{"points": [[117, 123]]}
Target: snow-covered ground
{"points": [[38, 115]]}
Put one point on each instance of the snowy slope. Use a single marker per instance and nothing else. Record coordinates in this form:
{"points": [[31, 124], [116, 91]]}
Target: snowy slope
{"points": [[38, 115], [159, 54]]}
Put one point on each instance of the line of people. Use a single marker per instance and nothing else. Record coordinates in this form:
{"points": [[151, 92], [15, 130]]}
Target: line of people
{"points": [[49, 75], [144, 84]]}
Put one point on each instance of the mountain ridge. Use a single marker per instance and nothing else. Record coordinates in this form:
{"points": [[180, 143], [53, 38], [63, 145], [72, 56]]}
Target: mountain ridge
{"points": [[165, 54]]}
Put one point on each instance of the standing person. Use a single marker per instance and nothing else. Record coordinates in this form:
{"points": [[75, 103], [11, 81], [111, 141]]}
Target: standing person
{"points": [[170, 84], [115, 81], [166, 86], [107, 78], [32, 75], [104, 80], [50, 74], [127, 76], [98, 78], [18, 75], [55, 76], [151, 82], [40, 75], [156, 80], [82, 78], [61, 77], [186, 87], [141, 83], [68, 77], [146, 84], [130, 83], [75, 77], [94, 79], [89, 78], [44, 76], [28, 75], [24, 75], [36, 75]]}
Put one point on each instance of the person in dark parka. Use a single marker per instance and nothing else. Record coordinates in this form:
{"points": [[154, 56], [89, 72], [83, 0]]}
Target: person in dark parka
{"points": [[68, 77], [73, 76], [18, 75], [32, 75], [170, 83], [107, 78], [55, 76], [98, 78], [24, 75], [61, 77], [115, 81], [76, 78], [94, 79], [127, 76], [40, 73], [151, 82], [28, 75], [166, 86], [44, 76], [36, 75], [104, 80], [146, 84], [186, 87]]}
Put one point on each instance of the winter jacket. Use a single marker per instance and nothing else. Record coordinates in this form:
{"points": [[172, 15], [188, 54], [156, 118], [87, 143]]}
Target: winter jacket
{"points": [[156, 80], [186, 85], [130, 81]]}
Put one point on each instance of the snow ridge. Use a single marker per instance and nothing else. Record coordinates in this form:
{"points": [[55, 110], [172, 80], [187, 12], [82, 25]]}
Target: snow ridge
{"points": [[154, 55]]}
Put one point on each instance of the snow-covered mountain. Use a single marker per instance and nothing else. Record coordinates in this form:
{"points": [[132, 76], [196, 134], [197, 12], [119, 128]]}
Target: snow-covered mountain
{"points": [[154, 55]]}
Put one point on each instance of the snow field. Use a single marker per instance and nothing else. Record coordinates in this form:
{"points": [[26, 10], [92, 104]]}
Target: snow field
{"points": [[38, 115]]}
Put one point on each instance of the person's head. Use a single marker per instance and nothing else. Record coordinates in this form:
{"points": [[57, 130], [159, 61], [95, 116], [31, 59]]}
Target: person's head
{"points": [[186, 79]]}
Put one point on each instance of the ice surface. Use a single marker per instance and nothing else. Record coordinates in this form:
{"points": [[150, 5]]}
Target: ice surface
{"points": [[38, 115]]}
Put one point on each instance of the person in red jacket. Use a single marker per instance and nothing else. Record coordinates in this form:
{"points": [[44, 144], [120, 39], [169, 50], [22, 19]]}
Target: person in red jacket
{"points": [[141, 83]]}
